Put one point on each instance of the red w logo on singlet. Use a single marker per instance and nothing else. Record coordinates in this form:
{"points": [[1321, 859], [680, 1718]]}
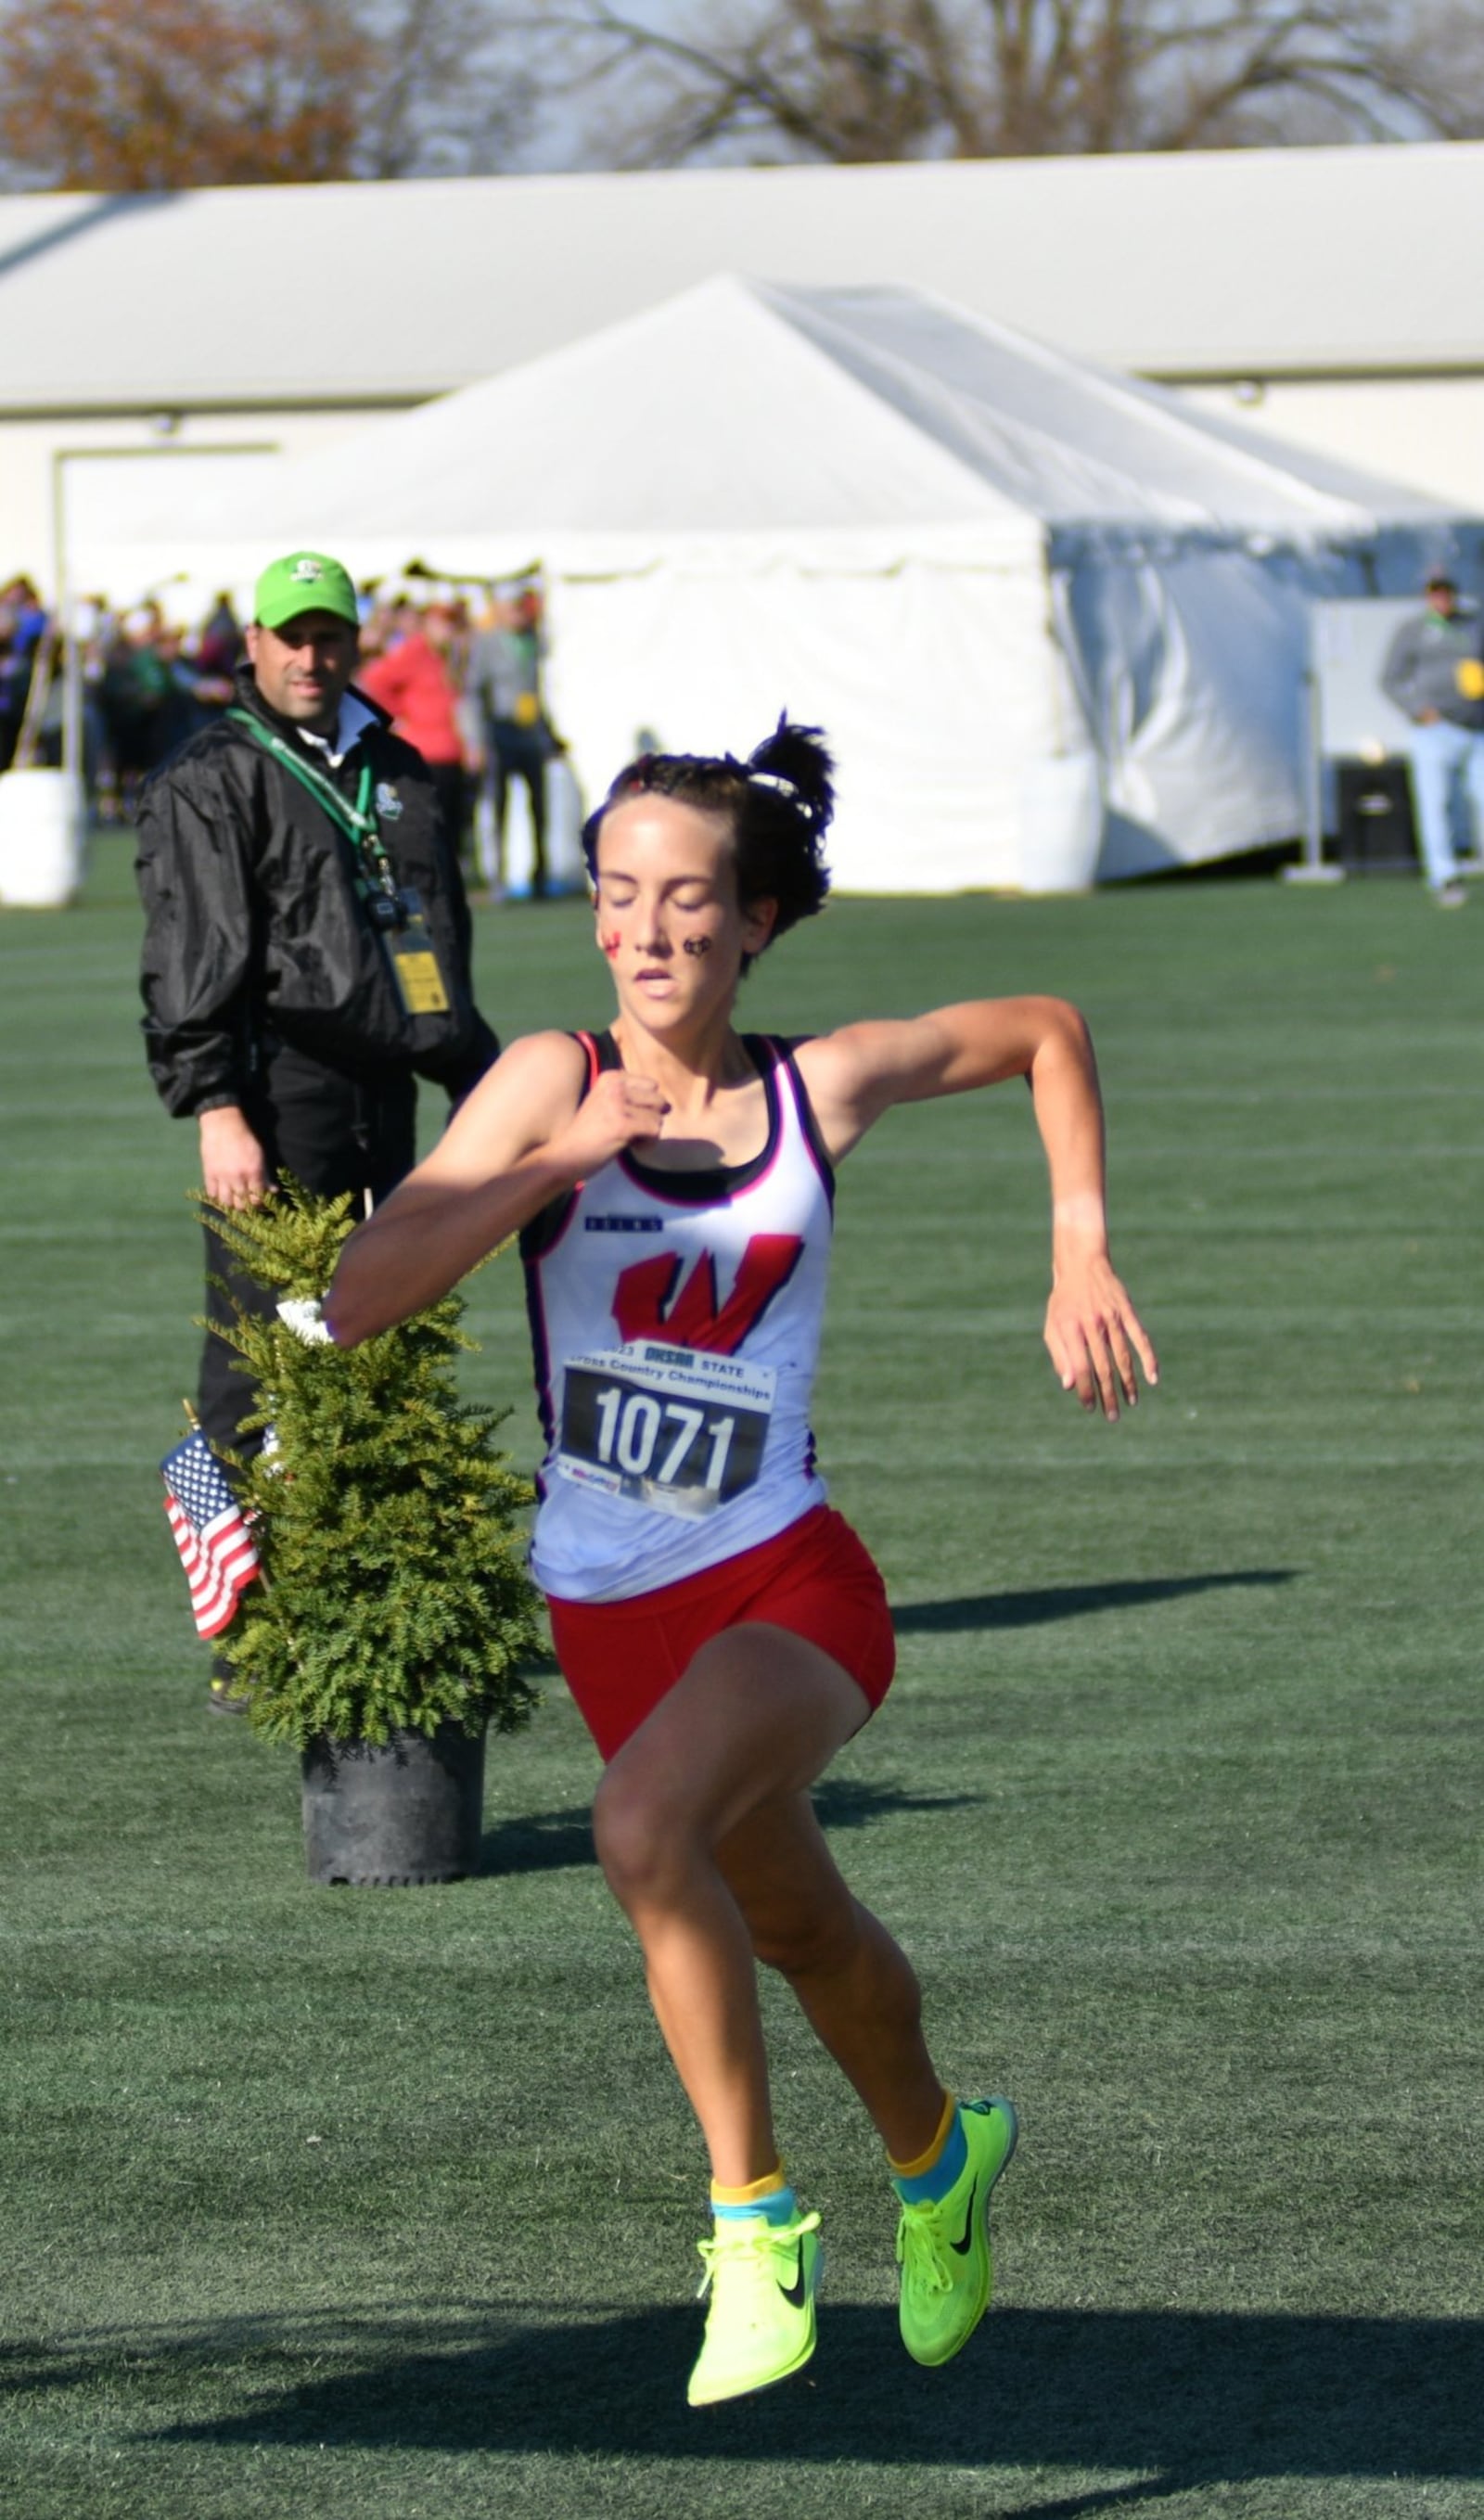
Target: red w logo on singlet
{"points": [[644, 1309]]}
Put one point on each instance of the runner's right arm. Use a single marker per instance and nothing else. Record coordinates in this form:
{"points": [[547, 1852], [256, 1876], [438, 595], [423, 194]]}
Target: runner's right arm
{"points": [[526, 1135]]}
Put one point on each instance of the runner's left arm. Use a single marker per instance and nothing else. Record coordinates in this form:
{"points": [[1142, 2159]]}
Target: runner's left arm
{"points": [[1092, 1332]]}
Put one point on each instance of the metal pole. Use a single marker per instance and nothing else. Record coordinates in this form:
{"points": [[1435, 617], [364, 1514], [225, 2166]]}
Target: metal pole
{"points": [[1312, 867], [71, 661], [1314, 832]]}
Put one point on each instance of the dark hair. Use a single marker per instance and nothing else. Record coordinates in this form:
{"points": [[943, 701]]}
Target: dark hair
{"points": [[778, 802]]}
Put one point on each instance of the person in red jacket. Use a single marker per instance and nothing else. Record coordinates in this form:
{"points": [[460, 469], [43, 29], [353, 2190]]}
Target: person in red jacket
{"points": [[416, 681]]}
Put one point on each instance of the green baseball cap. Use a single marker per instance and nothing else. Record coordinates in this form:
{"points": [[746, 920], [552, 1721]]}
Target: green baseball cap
{"points": [[306, 582]]}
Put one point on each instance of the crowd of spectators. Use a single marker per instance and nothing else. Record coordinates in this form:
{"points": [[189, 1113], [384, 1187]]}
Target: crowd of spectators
{"points": [[462, 681], [464, 686], [24, 629], [147, 684]]}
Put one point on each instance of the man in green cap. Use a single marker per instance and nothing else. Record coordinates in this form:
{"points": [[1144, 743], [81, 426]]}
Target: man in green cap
{"points": [[307, 938]]}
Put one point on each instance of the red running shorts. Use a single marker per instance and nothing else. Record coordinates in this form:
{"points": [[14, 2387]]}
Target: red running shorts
{"points": [[816, 1579]]}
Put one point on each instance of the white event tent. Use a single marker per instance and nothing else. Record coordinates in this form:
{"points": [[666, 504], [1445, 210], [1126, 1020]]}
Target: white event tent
{"points": [[1053, 622]]}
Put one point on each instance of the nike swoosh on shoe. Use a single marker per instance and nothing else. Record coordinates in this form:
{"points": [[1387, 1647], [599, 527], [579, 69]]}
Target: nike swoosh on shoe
{"points": [[961, 2248], [797, 2291]]}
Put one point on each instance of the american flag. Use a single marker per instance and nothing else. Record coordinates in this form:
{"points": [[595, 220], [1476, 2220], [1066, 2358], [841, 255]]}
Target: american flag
{"points": [[206, 1522]]}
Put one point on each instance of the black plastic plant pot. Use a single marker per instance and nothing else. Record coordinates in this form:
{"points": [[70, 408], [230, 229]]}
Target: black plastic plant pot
{"points": [[393, 1814]]}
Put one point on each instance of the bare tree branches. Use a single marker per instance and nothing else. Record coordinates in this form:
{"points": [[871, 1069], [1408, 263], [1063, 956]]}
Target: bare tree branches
{"points": [[1441, 56], [123, 95], [138, 95], [853, 80], [454, 95]]}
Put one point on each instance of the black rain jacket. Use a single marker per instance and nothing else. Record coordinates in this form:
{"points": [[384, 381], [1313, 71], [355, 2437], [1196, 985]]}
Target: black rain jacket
{"points": [[255, 933]]}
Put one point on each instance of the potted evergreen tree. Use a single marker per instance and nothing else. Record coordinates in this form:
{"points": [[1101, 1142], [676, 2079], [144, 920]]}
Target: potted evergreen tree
{"points": [[394, 1622]]}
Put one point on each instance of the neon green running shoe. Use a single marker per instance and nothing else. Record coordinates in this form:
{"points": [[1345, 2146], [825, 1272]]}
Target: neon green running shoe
{"points": [[762, 2277], [943, 2248]]}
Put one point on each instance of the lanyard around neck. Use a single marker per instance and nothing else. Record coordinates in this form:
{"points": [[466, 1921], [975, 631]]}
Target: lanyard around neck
{"points": [[358, 821]]}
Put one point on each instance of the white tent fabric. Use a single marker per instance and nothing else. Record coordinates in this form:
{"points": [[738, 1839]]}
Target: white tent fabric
{"points": [[1053, 622]]}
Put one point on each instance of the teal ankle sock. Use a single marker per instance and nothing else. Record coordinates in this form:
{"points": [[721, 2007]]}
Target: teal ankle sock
{"points": [[937, 2180], [780, 2206]]}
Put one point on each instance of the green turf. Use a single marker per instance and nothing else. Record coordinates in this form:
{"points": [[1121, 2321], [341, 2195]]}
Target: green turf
{"points": [[371, 2205]]}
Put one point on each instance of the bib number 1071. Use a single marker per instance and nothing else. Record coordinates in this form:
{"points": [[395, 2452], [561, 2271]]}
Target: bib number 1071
{"points": [[684, 1450], [654, 1439]]}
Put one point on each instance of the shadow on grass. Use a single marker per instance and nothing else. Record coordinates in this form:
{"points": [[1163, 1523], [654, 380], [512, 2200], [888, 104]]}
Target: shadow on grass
{"points": [[847, 1802], [551, 1841], [538, 1842], [1178, 2398], [1066, 1601]]}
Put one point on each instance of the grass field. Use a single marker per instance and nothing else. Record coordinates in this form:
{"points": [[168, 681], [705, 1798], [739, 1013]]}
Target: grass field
{"points": [[381, 2206]]}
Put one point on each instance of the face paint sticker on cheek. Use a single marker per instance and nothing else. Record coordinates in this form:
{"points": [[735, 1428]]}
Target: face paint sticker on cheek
{"points": [[698, 945], [609, 945]]}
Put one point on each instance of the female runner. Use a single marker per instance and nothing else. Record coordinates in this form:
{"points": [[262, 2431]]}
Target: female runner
{"points": [[721, 1628]]}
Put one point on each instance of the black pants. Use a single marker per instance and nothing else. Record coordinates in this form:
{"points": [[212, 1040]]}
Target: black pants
{"points": [[450, 785], [523, 753], [334, 1132]]}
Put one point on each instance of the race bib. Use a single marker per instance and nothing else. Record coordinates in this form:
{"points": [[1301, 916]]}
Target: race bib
{"points": [[670, 1427]]}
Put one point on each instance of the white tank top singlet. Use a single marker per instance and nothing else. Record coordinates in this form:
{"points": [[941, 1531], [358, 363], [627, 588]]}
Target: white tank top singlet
{"points": [[675, 1321]]}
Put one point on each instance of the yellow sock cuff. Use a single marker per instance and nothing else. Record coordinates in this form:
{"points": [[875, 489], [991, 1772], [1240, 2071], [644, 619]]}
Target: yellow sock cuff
{"points": [[752, 2194], [926, 2161]]}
